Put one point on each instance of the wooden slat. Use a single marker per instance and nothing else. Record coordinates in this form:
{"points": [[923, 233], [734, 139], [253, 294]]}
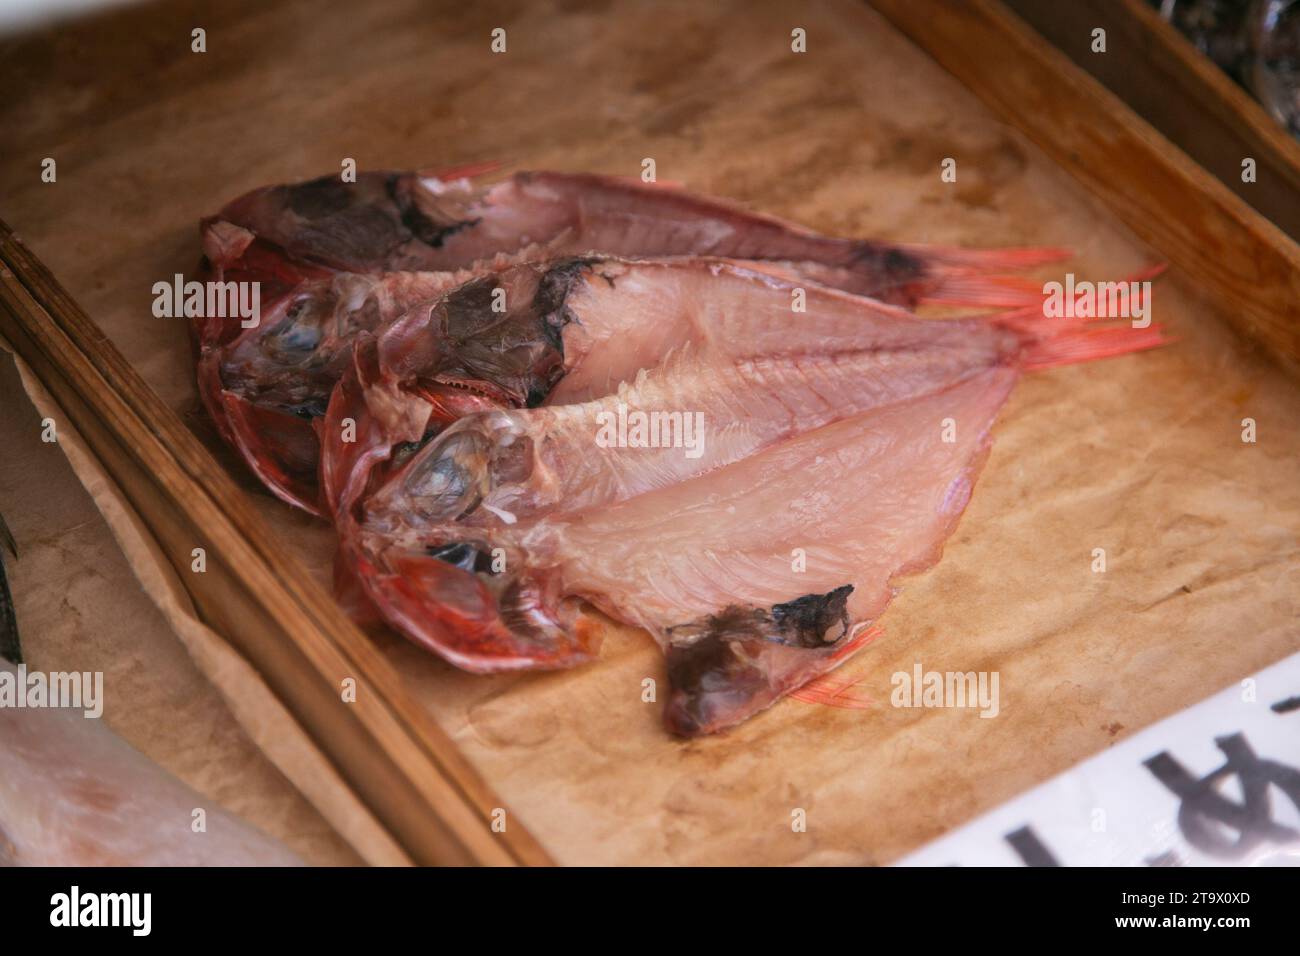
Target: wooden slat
{"points": [[1249, 267], [400, 763], [1181, 92]]}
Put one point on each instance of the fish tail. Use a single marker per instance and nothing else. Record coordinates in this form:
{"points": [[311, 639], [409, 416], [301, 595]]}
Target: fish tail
{"points": [[1004, 291], [948, 275], [994, 291], [1051, 341], [1084, 345], [1126, 296], [1150, 272], [942, 260]]}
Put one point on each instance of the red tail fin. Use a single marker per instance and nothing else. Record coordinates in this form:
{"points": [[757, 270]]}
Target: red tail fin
{"points": [[1065, 340], [991, 291], [1014, 292], [1084, 345], [954, 259]]}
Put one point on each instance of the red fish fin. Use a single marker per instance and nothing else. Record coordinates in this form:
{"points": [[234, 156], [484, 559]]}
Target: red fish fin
{"points": [[280, 448], [941, 259], [857, 642], [833, 692], [992, 291], [1016, 292], [1142, 275], [1148, 272], [346, 466], [1051, 341], [836, 691], [1084, 345]]}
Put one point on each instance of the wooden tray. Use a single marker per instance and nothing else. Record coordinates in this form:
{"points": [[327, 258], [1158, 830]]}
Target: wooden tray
{"points": [[1182, 93], [847, 137]]}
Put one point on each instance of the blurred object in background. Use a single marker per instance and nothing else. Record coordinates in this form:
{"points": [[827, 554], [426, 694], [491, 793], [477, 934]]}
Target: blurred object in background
{"points": [[1275, 70], [19, 15], [1216, 27], [1256, 42]]}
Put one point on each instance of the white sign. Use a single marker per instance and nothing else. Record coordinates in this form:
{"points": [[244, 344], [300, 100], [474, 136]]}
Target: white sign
{"points": [[1216, 784]]}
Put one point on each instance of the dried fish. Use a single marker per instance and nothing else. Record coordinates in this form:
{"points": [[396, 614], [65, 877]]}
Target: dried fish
{"points": [[851, 435], [336, 259], [72, 793]]}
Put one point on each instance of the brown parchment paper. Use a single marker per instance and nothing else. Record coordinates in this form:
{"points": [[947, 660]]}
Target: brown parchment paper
{"points": [[1141, 456]]}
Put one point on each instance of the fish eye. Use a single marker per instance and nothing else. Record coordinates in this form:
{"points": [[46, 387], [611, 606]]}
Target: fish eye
{"points": [[451, 478], [294, 339]]}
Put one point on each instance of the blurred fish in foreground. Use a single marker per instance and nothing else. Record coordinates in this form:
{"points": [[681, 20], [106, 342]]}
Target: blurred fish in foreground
{"points": [[73, 793]]}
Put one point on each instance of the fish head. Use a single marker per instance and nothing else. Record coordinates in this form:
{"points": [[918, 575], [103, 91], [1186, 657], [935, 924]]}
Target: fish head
{"points": [[473, 601], [439, 551], [446, 481], [478, 474]]}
